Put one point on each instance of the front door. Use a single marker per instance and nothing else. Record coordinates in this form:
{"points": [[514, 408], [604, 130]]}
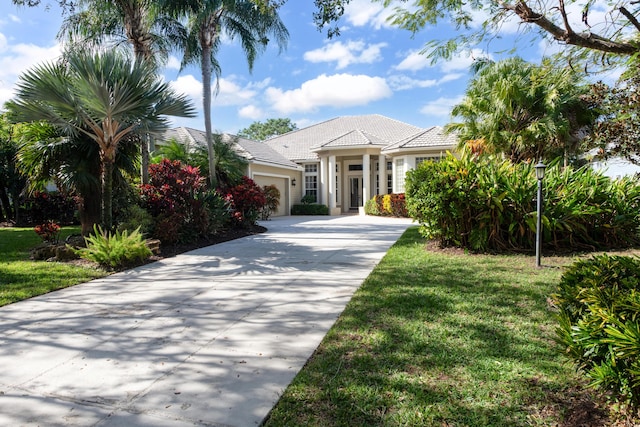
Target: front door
{"points": [[355, 191]]}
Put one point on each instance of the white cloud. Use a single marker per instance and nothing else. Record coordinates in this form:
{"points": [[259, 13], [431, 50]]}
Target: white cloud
{"points": [[14, 18], [403, 82], [345, 54], [173, 63], [463, 60], [230, 93], [190, 86], [251, 112], [363, 12], [18, 58], [440, 107], [415, 61], [338, 90]]}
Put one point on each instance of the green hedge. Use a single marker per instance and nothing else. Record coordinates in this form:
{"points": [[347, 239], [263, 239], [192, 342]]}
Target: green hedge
{"points": [[487, 203], [310, 209], [599, 315]]}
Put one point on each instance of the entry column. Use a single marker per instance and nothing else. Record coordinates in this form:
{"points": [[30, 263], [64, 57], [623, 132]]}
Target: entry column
{"points": [[366, 178], [322, 194], [332, 183]]}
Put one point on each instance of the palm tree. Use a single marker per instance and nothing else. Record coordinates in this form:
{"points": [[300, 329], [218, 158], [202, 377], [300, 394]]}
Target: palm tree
{"points": [[207, 21], [139, 23], [106, 97], [73, 164], [523, 110]]}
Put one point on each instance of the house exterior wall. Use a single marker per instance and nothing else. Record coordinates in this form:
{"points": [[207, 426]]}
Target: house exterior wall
{"points": [[282, 178]]}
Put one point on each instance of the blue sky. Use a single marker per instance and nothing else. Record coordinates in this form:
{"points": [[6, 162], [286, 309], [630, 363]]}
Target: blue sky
{"points": [[371, 68]]}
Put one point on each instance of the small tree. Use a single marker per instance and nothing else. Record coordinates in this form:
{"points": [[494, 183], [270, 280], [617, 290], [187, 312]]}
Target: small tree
{"points": [[259, 131]]}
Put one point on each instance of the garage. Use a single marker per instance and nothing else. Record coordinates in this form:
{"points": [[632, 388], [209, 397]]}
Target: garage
{"points": [[281, 185]]}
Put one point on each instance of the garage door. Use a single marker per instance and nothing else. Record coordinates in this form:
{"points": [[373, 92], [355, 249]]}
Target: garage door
{"points": [[281, 185]]}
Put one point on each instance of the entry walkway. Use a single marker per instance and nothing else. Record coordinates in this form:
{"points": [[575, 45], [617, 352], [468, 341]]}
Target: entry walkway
{"points": [[208, 338]]}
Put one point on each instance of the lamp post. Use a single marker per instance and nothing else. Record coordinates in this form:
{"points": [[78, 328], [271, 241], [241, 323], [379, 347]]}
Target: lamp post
{"points": [[540, 167]]}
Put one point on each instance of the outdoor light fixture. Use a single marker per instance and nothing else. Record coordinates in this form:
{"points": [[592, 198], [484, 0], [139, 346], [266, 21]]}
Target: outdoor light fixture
{"points": [[540, 167], [293, 182]]}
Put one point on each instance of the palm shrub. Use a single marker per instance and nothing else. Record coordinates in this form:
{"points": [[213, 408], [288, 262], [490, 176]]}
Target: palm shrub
{"points": [[599, 324], [487, 203], [115, 250]]}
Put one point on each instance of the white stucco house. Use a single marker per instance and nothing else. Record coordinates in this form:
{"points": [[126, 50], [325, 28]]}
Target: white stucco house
{"points": [[342, 162]]}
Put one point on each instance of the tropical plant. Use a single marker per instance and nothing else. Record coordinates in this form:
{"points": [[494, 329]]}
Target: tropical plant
{"points": [[246, 201], [104, 96], [173, 197], [114, 250], [11, 182], [208, 20], [272, 196], [524, 111], [487, 203], [48, 231], [599, 323], [73, 164], [140, 23]]}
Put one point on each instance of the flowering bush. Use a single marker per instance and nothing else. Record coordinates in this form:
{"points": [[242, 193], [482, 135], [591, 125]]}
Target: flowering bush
{"points": [[246, 200], [48, 231], [387, 205]]}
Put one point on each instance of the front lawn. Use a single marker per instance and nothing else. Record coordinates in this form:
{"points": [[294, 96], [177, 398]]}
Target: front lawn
{"points": [[21, 278], [442, 338]]}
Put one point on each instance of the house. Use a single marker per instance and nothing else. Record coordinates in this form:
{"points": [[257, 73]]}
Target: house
{"points": [[341, 162]]}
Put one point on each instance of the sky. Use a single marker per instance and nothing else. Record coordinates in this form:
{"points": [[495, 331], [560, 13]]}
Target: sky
{"points": [[371, 68]]}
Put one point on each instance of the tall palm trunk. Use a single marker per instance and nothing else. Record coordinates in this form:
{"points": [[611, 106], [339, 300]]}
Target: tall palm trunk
{"points": [[107, 192], [139, 38], [207, 36]]}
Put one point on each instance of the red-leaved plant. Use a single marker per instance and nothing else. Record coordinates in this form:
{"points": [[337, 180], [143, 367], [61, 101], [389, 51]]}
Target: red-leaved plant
{"points": [[48, 231], [246, 200]]}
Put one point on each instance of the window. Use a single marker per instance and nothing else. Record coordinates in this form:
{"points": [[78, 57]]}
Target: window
{"points": [[389, 178], [400, 175], [425, 158], [311, 180], [355, 167]]}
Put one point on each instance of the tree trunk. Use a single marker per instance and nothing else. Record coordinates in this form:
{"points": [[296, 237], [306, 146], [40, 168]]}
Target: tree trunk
{"points": [[6, 204], [206, 104], [107, 193], [89, 213]]}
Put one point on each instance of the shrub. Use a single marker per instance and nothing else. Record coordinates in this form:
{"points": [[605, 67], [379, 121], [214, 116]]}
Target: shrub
{"points": [[308, 199], [43, 206], [175, 193], [246, 201], [135, 217], [371, 207], [272, 196], [48, 231], [310, 209], [387, 205], [487, 203], [599, 323], [115, 250]]}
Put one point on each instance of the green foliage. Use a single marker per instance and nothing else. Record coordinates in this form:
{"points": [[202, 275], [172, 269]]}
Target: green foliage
{"points": [[599, 323], [246, 201], [524, 111], [116, 250], [387, 205], [259, 131], [308, 199], [486, 203], [310, 209], [136, 217], [272, 196]]}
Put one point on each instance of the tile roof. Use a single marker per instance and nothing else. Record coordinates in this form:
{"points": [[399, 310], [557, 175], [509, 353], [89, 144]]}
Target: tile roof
{"points": [[250, 150], [297, 145], [350, 139], [432, 137]]}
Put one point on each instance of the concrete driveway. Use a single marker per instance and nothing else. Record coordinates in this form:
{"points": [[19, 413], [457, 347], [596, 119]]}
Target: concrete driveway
{"points": [[208, 338]]}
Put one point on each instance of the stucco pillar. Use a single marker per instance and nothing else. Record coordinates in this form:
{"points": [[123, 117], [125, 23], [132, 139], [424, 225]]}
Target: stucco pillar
{"points": [[382, 174], [332, 182], [366, 178], [322, 191]]}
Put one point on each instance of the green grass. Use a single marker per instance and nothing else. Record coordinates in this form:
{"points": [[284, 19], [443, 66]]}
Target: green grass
{"points": [[21, 278], [436, 338]]}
